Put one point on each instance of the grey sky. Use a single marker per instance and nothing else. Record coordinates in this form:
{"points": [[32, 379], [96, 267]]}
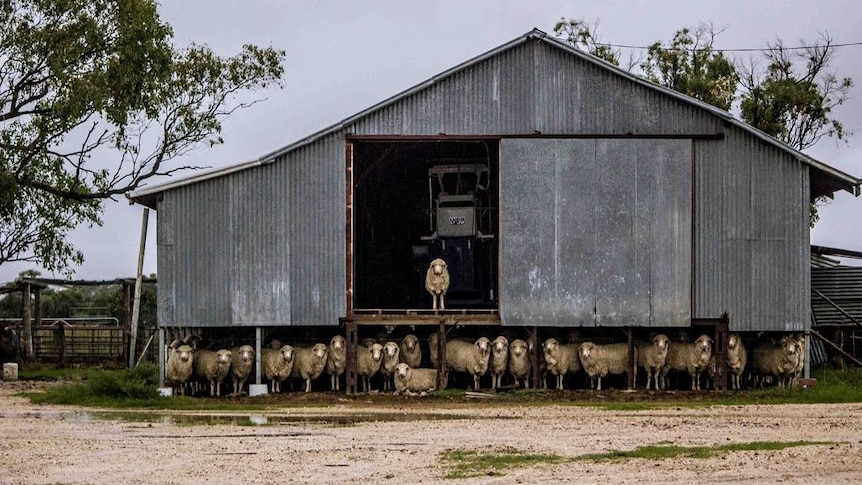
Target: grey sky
{"points": [[343, 57]]}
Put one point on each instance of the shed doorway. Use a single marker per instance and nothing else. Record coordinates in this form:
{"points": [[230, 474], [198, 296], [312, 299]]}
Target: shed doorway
{"points": [[417, 200]]}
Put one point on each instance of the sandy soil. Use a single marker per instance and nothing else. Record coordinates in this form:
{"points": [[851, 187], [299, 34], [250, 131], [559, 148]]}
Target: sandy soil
{"points": [[399, 442]]}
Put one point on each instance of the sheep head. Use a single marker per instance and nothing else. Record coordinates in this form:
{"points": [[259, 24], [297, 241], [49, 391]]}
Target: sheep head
{"points": [[586, 349], [391, 350], [223, 357], [518, 348], [287, 353], [410, 342], [184, 353], [376, 352], [438, 266], [661, 342], [319, 351], [402, 370], [501, 344], [337, 343], [246, 354], [483, 345]]}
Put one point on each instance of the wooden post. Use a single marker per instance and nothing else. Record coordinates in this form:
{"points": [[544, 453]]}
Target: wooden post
{"points": [[61, 334], [633, 365], [37, 306], [258, 337], [27, 331], [721, 339], [136, 308], [535, 357], [162, 357], [352, 338], [442, 373]]}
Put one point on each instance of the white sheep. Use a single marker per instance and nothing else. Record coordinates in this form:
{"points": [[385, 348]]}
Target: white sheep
{"points": [[499, 360], [276, 365], [437, 282], [212, 367], [688, 357], [462, 356], [600, 361], [776, 359], [241, 365], [408, 379], [737, 358], [519, 362], [336, 361], [410, 353], [652, 357], [391, 358], [308, 363], [179, 367], [800, 365], [560, 359], [368, 363]]}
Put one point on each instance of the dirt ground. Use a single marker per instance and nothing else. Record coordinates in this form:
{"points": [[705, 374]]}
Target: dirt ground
{"points": [[399, 441]]}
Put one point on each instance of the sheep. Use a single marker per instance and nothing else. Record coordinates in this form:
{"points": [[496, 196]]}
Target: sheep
{"points": [[367, 342], [519, 362], [462, 356], [336, 361], [408, 379], [410, 353], [499, 360], [179, 367], [437, 282], [391, 358], [368, 363], [212, 367], [560, 359], [601, 360], [690, 357], [737, 358], [276, 365], [800, 365], [308, 363], [779, 359], [241, 364], [652, 357]]}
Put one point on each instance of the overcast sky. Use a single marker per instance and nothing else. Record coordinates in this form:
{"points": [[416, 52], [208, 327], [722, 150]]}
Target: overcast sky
{"points": [[343, 57]]}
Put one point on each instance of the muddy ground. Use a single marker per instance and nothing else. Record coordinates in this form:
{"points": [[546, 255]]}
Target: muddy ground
{"points": [[335, 439]]}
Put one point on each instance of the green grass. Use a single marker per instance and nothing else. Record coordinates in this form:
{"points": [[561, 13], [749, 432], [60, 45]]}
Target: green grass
{"points": [[471, 463], [663, 451]]}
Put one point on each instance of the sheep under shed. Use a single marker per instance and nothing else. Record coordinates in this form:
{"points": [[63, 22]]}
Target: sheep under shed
{"points": [[276, 365], [599, 361], [410, 380], [499, 360], [519, 362], [737, 358], [652, 356], [309, 363], [410, 353], [213, 367], [688, 357], [336, 361], [368, 363], [179, 367], [779, 360], [560, 359], [241, 365], [463, 356], [391, 359]]}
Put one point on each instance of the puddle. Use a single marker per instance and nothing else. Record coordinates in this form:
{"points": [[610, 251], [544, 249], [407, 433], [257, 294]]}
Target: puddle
{"points": [[255, 419]]}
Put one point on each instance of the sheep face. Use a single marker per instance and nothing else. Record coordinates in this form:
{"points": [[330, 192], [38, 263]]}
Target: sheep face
{"points": [[551, 347], [518, 348], [391, 350], [410, 342], [376, 352], [733, 341], [587, 349], [246, 354], [401, 370], [438, 266], [661, 342], [223, 357], [483, 345], [337, 343], [287, 352], [319, 351], [501, 344], [184, 353]]}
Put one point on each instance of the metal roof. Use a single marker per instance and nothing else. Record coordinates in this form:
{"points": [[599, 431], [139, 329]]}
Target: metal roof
{"points": [[838, 179], [836, 295]]}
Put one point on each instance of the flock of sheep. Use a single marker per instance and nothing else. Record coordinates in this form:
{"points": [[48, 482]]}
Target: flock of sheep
{"points": [[398, 362]]}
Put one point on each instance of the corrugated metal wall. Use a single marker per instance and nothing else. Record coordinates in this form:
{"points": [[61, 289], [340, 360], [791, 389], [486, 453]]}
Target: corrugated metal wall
{"points": [[595, 232], [264, 246], [751, 235]]}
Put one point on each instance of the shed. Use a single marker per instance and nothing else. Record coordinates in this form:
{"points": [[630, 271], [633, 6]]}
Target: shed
{"points": [[561, 190]]}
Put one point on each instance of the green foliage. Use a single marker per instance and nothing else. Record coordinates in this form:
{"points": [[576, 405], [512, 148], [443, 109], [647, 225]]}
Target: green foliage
{"points": [[584, 37], [115, 388], [87, 81], [664, 451], [689, 64], [471, 463]]}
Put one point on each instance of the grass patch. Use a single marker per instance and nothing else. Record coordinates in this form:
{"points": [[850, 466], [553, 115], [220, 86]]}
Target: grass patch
{"points": [[662, 451], [105, 388], [471, 463]]}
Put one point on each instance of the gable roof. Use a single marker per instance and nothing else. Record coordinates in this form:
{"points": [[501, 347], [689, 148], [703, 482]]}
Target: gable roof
{"points": [[825, 176]]}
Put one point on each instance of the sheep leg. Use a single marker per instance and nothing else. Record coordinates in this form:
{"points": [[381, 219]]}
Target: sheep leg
{"points": [[476, 382], [308, 384], [434, 301], [600, 384], [442, 306]]}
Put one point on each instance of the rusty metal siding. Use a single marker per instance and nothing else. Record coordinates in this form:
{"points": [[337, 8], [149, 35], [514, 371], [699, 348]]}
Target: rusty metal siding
{"points": [[595, 232], [751, 235]]}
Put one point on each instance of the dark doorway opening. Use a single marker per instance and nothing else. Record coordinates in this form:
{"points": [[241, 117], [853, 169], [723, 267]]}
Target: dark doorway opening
{"points": [[419, 200]]}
